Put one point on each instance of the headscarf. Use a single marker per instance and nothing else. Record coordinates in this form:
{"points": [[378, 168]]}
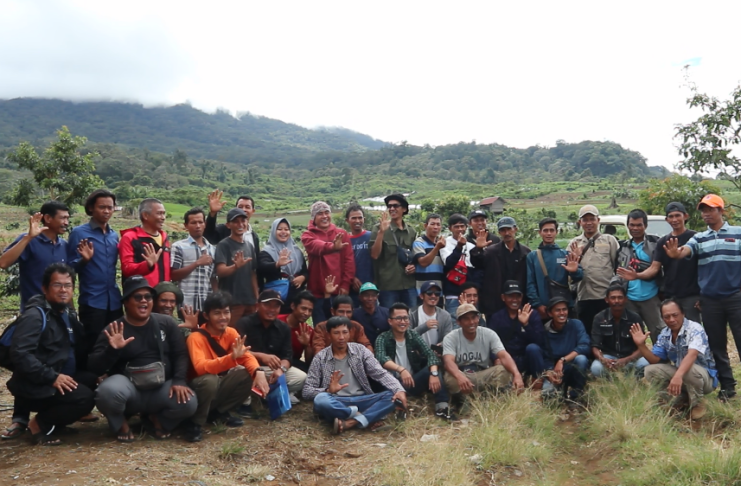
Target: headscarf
{"points": [[274, 247]]}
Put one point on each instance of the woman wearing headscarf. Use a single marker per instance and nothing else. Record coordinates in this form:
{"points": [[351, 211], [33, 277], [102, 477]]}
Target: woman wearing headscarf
{"points": [[281, 264]]}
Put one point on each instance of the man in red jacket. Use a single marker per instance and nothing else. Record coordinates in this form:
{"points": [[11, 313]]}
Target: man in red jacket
{"points": [[330, 253], [144, 250]]}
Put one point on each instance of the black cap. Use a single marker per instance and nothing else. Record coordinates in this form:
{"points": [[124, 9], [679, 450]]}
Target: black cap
{"points": [[134, 283], [477, 213], [674, 206], [512, 287], [557, 300], [235, 213]]}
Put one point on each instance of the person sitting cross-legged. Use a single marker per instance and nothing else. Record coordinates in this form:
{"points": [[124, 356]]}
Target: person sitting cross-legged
{"points": [[224, 367], [681, 357], [612, 344], [338, 382], [404, 353]]}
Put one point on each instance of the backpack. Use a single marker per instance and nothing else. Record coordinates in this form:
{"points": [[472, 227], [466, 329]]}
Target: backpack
{"points": [[6, 339]]}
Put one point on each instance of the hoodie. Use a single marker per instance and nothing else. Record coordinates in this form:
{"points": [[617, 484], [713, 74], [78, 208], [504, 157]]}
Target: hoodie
{"points": [[537, 287], [324, 260], [131, 252]]}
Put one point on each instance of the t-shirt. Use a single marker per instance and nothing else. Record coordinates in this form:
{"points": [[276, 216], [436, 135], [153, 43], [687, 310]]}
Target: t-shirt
{"points": [[430, 337], [353, 388], [680, 275], [239, 284], [401, 358], [298, 348], [143, 350], [472, 355], [641, 290], [435, 271], [361, 252]]}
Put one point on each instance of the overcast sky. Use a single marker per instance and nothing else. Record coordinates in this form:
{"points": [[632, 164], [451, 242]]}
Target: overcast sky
{"points": [[516, 73]]}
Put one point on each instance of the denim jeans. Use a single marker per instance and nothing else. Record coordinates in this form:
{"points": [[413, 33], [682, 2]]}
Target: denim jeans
{"points": [[574, 376], [451, 305], [422, 384], [387, 298], [366, 409], [598, 369], [532, 362]]}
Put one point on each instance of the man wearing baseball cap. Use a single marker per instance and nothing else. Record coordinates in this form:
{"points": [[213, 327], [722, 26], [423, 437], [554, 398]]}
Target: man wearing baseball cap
{"points": [[500, 262], [598, 253], [477, 220], [680, 276], [430, 321], [718, 251]]}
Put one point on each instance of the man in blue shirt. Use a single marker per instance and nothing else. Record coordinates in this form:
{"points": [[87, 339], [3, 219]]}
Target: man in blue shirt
{"points": [[39, 248], [360, 241], [93, 253], [373, 317]]}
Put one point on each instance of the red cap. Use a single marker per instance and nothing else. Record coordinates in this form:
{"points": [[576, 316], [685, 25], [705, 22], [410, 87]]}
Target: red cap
{"points": [[713, 201]]}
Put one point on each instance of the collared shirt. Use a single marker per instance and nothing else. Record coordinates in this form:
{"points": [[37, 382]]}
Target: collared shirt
{"points": [[389, 272], [418, 352], [197, 285], [38, 254], [274, 339], [597, 264], [641, 290], [373, 324], [98, 286], [511, 262], [691, 336], [718, 260], [612, 337]]}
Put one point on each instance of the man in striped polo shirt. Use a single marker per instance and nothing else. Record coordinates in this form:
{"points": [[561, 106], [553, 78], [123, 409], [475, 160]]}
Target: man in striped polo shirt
{"points": [[718, 253]]}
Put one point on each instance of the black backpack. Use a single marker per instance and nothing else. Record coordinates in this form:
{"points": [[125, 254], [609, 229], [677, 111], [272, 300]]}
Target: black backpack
{"points": [[6, 339]]}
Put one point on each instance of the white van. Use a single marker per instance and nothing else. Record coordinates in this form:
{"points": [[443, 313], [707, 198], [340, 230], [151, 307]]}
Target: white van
{"points": [[657, 225]]}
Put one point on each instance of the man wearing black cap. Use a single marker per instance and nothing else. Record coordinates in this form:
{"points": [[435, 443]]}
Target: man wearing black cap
{"points": [[391, 244], [680, 276], [234, 266], [270, 342], [520, 330], [477, 220]]}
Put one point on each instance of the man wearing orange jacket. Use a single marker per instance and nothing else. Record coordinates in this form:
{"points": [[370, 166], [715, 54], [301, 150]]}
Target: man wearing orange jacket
{"points": [[223, 369]]}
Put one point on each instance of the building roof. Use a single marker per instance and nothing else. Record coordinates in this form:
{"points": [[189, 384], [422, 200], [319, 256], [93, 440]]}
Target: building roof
{"points": [[491, 200]]}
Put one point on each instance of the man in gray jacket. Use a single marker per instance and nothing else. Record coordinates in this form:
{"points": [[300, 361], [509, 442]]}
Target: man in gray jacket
{"points": [[431, 322]]}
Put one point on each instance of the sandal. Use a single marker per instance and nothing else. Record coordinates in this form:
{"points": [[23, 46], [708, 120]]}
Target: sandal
{"points": [[126, 437], [43, 439], [339, 426], [378, 426], [15, 430], [156, 432]]}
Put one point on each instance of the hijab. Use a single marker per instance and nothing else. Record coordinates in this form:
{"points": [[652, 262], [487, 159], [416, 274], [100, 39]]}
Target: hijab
{"points": [[274, 247]]}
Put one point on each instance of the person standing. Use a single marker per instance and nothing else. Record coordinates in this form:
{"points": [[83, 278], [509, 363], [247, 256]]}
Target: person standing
{"points": [[281, 264], [193, 262], [217, 232], [360, 242], [145, 250], [426, 254], [456, 256]]}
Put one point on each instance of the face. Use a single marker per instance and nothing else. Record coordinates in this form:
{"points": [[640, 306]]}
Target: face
{"points": [[589, 223], [166, 304], [395, 209], [512, 301], [673, 316], [218, 319], [432, 296], [458, 229], [60, 289], [246, 206], [238, 225], [507, 234], [469, 322], [478, 223], [616, 300], [195, 226], [58, 223], [156, 217], [343, 310], [283, 232], [676, 220], [139, 304], [560, 314], [339, 337], [433, 228], [368, 299], [103, 209], [323, 219], [470, 296], [711, 216], [303, 310], [636, 228], [268, 311], [399, 320], [548, 233], [356, 220]]}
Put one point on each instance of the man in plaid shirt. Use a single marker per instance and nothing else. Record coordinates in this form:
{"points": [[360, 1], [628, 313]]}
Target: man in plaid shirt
{"points": [[192, 263], [338, 383]]}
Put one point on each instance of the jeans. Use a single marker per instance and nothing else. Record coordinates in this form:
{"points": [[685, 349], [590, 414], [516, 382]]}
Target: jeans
{"points": [[716, 315], [574, 376], [422, 384], [598, 369], [366, 409], [532, 362], [387, 298], [451, 305]]}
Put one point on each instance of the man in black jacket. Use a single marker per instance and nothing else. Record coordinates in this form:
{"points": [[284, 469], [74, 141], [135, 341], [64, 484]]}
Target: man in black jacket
{"points": [[45, 352]]}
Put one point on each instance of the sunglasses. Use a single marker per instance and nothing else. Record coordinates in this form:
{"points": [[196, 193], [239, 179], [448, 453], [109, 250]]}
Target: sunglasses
{"points": [[432, 293], [141, 297], [393, 206]]}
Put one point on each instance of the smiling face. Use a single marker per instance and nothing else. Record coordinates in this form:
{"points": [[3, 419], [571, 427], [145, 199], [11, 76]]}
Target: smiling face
{"points": [[238, 226], [469, 323], [548, 233], [302, 311], [58, 223], [356, 220], [478, 223], [368, 300], [268, 311], [395, 209], [512, 301], [60, 289], [431, 297], [217, 320], [676, 221], [283, 232], [166, 303], [560, 314], [155, 218], [139, 304], [589, 223], [246, 206], [399, 320], [323, 219]]}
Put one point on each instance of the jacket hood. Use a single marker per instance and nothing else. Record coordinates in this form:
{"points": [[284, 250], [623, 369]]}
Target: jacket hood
{"points": [[312, 227]]}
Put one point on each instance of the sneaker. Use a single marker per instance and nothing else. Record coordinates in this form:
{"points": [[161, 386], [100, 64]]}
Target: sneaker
{"points": [[294, 399], [193, 433], [446, 414], [699, 410], [726, 395], [245, 411]]}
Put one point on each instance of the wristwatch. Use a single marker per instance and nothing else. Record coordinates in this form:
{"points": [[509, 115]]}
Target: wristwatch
{"points": [[434, 373], [285, 370], [563, 359]]}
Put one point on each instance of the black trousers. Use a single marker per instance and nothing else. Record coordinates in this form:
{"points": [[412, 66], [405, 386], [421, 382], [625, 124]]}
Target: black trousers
{"points": [[717, 316], [587, 309], [94, 321], [60, 410]]}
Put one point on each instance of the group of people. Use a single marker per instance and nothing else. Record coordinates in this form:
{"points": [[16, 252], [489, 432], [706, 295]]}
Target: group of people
{"points": [[202, 327]]}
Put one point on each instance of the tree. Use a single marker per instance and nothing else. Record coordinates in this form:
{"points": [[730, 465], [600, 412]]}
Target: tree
{"points": [[661, 192], [708, 142], [453, 204], [61, 173]]}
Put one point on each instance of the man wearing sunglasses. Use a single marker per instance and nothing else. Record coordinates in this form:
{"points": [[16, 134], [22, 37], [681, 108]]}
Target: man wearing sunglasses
{"points": [[431, 322]]}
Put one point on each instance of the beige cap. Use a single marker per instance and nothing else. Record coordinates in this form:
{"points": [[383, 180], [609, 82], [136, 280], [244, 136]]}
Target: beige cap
{"points": [[465, 309], [588, 209]]}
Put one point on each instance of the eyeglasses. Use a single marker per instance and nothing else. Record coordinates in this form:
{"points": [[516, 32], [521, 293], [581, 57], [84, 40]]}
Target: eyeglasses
{"points": [[141, 297], [432, 293], [65, 286], [401, 318], [393, 206]]}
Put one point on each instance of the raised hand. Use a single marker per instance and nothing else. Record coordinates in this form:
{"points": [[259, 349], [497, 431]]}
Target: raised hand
{"points": [[190, 318], [284, 258], [85, 249], [115, 335], [215, 204], [204, 260], [481, 239], [523, 315], [329, 286], [462, 240], [672, 248], [150, 255], [338, 244], [575, 249], [240, 260], [572, 263], [304, 334], [385, 222], [35, 225], [440, 243], [334, 382], [639, 337], [238, 347]]}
